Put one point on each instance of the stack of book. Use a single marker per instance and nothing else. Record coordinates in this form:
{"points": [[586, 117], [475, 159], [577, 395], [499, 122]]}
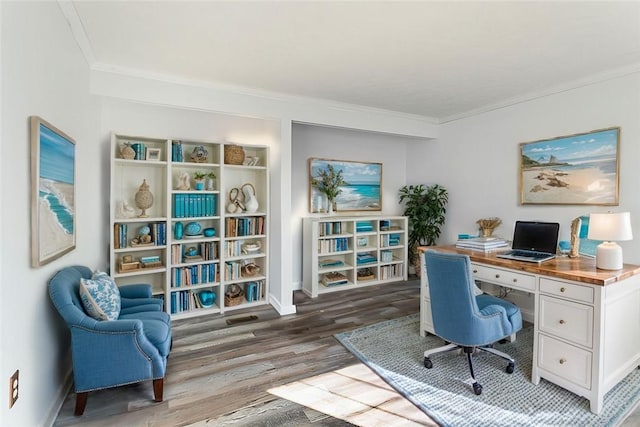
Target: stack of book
{"points": [[326, 263], [482, 243], [334, 278], [365, 258]]}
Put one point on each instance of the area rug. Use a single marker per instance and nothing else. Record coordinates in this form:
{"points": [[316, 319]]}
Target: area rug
{"points": [[394, 349]]}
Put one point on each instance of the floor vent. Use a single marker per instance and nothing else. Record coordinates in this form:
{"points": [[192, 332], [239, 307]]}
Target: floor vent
{"points": [[241, 319]]}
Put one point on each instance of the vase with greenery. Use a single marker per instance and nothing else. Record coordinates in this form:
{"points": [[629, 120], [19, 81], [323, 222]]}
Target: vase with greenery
{"points": [[199, 178], [425, 207], [210, 181], [328, 181]]}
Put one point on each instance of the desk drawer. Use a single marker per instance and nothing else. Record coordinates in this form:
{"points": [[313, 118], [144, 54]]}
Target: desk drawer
{"points": [[565, 360], [566, 290], [506, 278], [566, 319]]}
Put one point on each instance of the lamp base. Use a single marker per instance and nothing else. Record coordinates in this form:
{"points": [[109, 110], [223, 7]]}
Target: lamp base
{"points": [[609, 256]]}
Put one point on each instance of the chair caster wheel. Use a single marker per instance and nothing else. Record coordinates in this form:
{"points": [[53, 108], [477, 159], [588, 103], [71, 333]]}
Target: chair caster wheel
{"points": [[510, 368], [427, 363], [477, 389]]}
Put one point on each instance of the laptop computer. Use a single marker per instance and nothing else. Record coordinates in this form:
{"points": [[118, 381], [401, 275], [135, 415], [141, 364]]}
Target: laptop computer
{"points": [[533, 242]]}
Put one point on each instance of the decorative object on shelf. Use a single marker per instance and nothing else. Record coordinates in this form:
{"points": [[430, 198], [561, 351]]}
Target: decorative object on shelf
{"points": [[251, 161], [126, 210], [487, 225], [184, 183], [426, 208], [193, 229], [609, 227], [363, 241], [199, 154], [141, 151], [153, 154], [178, 230], [199, 178], [249, 269], [209, 232], [126, 152], [210, 181], [251, 247], [365, 274], [250, 200], [234, 295], [233, 155], [564, 178], [207, 298], [576, 224], [53, 217], [144, 234], [144, 199], [191, 251], [235, 204], [364, 186]]}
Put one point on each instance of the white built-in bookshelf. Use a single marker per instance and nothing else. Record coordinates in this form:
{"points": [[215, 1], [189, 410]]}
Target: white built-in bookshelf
{"points": [[342, 253], [196, 246]]}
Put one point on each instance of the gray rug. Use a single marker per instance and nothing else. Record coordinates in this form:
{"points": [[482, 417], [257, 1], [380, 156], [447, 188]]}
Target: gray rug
{"points": [[394, 349]]}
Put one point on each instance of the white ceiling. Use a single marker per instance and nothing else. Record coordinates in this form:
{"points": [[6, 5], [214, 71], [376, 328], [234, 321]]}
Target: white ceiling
{"points": [[436, 59]]}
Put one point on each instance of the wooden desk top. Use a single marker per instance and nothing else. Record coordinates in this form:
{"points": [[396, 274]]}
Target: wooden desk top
{"points": [[580, 269]]}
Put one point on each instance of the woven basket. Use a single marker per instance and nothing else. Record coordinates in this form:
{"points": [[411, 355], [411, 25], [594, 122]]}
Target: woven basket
{"points": [[233, 296], [233, 155]]}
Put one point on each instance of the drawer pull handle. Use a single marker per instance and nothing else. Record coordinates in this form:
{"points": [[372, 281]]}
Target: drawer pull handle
{"points": [[497, 276], [515, 280], [562, 289], [563, 361], [475, 271], [562, 322]]}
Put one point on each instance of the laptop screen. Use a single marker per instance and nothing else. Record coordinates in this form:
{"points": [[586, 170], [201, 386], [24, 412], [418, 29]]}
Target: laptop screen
{"points": [[536, 236]]}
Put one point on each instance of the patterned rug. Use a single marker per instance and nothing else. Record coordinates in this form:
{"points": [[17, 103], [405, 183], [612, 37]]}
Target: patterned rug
{"points": [[394, 349]]}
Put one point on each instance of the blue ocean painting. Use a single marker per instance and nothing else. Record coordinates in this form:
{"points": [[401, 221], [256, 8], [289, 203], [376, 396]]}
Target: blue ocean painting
{"points": [[362, 191], [57, 163]]}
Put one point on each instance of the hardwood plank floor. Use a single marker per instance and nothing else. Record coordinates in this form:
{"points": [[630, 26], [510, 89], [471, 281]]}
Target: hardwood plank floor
{"points": [[218, 374]]}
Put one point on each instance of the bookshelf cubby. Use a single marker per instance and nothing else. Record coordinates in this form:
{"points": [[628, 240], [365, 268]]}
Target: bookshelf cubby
{"points": [[195, 244], [342, 253]]}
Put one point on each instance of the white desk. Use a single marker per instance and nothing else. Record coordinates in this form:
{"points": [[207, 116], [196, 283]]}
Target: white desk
{"points": [[586, 321]]}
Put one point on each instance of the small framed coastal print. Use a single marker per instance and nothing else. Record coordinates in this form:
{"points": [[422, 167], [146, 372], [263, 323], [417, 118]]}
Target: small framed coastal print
{"points": [[362, 190], [580, 169], [53, 179]]}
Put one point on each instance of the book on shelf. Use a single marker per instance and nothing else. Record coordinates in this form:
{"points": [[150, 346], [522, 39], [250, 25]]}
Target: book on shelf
{"points": [[326, 263], [482, 243], [334, 278]]}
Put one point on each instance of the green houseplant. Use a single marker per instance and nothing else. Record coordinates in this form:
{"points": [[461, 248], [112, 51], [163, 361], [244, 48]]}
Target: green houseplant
{"points": [[425, 207], [329, 181]]}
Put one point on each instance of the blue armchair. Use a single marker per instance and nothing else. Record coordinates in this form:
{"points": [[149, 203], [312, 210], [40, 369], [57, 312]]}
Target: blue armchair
{"points": [[111, 353], [466, 320]]}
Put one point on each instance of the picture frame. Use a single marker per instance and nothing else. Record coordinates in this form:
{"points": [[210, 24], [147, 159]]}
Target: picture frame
{"points": [[578, 169], [363, 191], [53, 192], [154, 154]]}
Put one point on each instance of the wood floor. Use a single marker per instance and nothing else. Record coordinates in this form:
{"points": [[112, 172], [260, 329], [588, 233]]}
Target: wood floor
{"points": [[218, 374]]}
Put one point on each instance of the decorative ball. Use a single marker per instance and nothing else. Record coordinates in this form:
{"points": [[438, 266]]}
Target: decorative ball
{"points": [[193, 229], [144, 230], [207, 298], [209, 232]]}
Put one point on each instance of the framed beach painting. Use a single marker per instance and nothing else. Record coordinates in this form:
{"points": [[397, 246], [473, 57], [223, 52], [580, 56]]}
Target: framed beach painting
{"points": [[580, 169], [362, 190], [53, 169]]}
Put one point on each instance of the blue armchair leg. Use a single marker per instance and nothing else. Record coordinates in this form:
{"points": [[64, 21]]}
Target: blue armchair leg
{"points": [[81, 402], [158, 386]]}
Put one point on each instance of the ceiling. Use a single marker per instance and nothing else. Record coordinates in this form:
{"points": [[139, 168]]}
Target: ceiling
{"points": [[441, 60]]}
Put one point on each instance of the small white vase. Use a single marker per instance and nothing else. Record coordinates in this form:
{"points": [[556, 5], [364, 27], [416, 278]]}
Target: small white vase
{"points": [[250, 200]]}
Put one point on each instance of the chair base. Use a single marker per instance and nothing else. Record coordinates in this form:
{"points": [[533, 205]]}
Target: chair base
{"points": [[477, 387]]}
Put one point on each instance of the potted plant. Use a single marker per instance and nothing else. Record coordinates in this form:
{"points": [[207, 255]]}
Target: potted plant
{"points": [[425, 207], [329, 181], [199, 178], [210, 181]]}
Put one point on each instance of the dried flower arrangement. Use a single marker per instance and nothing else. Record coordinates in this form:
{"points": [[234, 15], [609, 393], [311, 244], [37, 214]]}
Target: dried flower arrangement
{"points": [[487, 225]]}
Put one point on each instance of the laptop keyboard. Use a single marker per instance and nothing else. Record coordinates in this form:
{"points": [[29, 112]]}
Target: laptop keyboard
{"points": [[528, 254]]}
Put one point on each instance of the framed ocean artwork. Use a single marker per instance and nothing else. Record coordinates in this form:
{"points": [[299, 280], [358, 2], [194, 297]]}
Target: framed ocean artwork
{"points": [[580, 169], [53, 219], [362, 190]]}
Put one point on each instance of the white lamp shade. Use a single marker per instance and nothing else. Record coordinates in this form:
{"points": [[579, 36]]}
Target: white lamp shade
{"points": [[610, 226]]}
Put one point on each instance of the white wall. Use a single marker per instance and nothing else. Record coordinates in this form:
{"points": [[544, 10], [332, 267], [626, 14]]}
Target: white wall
{"points": [[343, 144], [44, 74], [477, 158]]}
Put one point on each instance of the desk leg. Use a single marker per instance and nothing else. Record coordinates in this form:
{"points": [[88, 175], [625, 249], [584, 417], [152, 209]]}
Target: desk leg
{"points": [[596, 403]]}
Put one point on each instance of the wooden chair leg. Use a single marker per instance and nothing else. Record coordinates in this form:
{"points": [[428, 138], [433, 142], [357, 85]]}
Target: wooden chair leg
{"points": [[81, 402], [158, 386]]}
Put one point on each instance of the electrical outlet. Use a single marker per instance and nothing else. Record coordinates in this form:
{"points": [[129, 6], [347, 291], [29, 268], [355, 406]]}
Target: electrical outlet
{"points": [[13, 388]]}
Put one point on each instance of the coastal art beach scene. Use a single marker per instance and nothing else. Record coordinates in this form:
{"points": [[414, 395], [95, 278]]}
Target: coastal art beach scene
{"points": [[361, 191], [579, 169], [54, 211]]}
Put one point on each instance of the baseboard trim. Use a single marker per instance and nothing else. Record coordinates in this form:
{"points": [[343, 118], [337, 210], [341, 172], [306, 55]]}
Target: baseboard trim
{"points": [[60, 397]]}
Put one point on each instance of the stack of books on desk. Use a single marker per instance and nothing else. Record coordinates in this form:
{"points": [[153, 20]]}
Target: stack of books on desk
{"points": [[482, 243]]}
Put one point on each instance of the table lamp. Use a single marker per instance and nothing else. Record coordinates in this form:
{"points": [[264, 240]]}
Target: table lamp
{"points": [[609, 227]]}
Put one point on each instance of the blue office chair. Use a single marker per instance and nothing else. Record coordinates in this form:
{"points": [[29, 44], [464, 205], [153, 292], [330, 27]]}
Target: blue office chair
{"points": [[466, 320]]}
